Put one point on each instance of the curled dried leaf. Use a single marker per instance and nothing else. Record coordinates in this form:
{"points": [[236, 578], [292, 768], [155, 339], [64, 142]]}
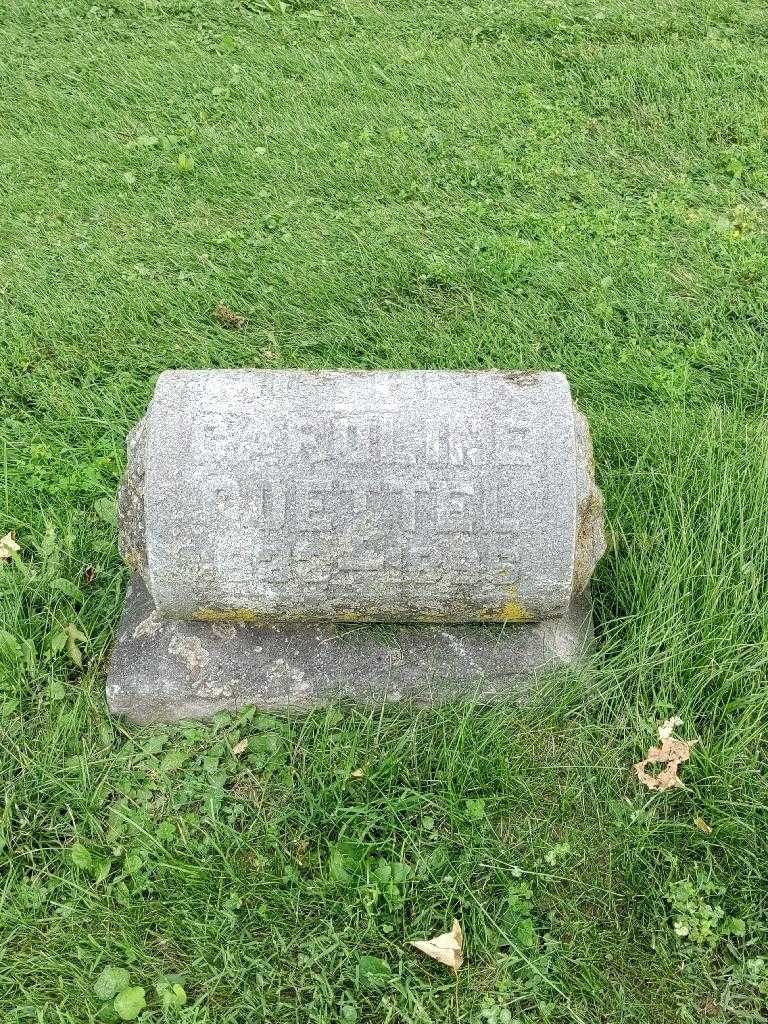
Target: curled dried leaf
{"points": [[228, 318], [8, 547], [668, 727], [447, 949], [709, 1008], [671, 753]]}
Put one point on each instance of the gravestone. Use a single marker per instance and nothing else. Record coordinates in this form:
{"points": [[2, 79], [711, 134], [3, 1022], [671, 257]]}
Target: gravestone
{"points": [[299, 536]]}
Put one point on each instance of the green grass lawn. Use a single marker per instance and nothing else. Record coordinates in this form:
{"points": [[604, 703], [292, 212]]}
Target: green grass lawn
{"points": [[576, 186]]}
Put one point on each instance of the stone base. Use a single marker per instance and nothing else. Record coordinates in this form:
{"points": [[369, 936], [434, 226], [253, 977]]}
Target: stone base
{"points": [[164, 670]]}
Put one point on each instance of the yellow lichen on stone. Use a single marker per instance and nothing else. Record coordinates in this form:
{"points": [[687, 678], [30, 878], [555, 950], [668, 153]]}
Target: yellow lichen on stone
{"points": [[228, 615], [132, 560], [511, 611], [514, 612]]}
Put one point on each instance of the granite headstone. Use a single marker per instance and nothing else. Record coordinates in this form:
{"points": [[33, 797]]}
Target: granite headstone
{"points": [[270, 515]]}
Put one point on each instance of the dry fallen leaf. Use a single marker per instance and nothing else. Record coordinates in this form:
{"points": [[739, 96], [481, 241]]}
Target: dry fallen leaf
{"points": [[228, 318], [240, 748], [672, 753], [667, 728], [8, 547], [302, 847], [702, 826], [709, 1008], [446, 949]]}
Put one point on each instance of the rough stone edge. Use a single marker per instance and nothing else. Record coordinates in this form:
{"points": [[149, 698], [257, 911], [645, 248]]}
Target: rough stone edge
{"points": [[590, 542], [131, 512]]}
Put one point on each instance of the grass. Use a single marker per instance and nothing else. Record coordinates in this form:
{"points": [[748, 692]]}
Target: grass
{"points": [[580, 186]]}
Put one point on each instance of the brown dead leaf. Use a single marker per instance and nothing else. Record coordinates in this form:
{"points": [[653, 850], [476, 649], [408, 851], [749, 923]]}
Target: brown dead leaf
{"points": [[8, 547], [302, 848], [672, 753], [240, 748], [228, 318], [709, 1008], [447, 949], [702, 826], [89, 575]]}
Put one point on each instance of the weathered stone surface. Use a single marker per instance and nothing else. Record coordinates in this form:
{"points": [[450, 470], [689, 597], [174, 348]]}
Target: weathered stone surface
{"points": [[428, 496], [163, 670]]}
